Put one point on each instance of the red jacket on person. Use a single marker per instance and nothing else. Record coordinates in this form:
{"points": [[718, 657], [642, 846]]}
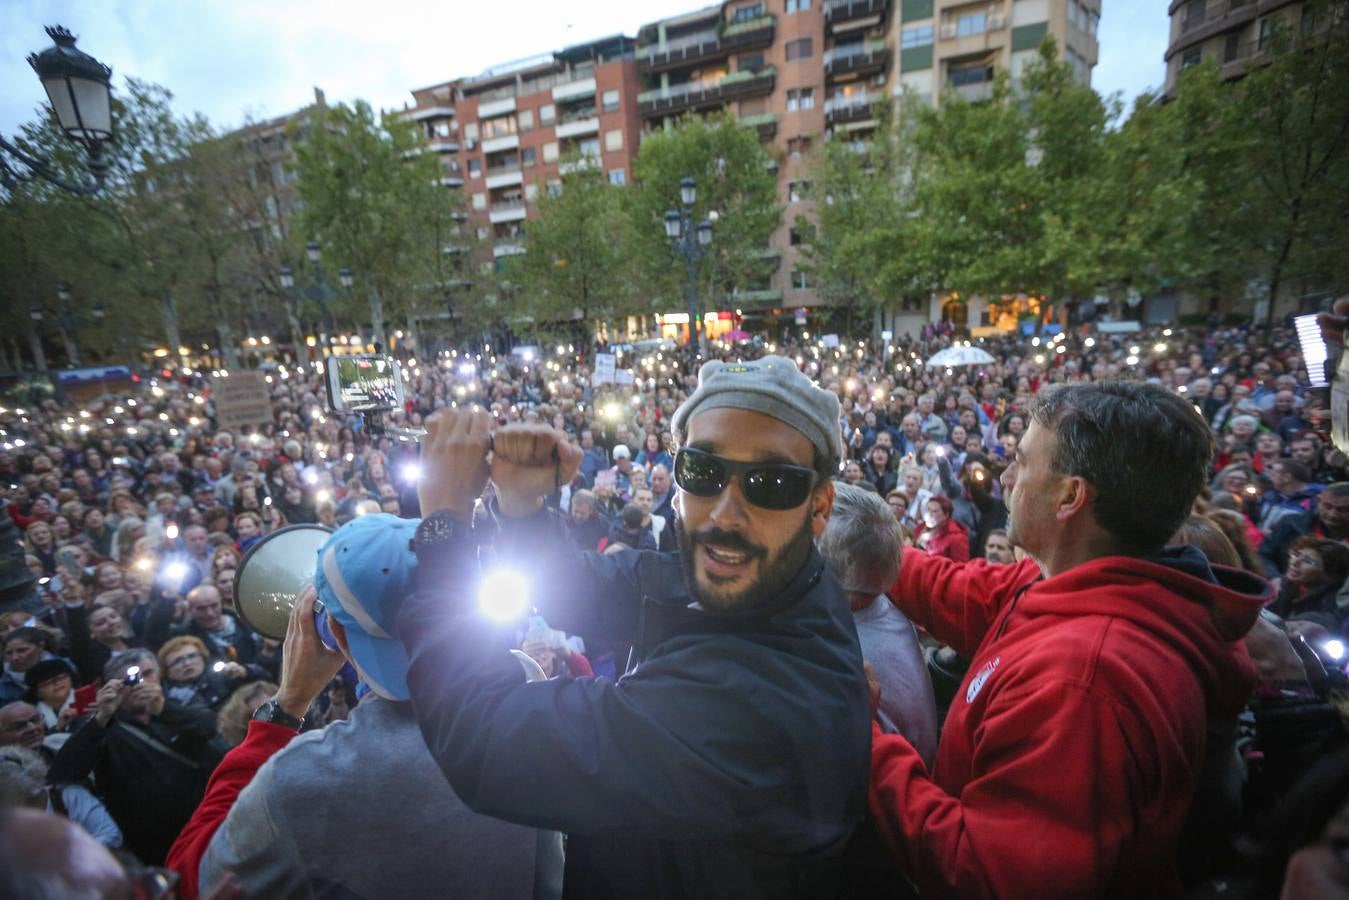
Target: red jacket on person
{"points": [[949, 539], [1071, 751]]}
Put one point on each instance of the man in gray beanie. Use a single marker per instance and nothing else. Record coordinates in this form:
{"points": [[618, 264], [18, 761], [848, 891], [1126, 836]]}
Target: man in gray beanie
{"points": [[731, 758]]}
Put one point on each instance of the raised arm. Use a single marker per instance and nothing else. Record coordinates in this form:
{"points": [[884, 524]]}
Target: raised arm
{"points": [[957, 602]]}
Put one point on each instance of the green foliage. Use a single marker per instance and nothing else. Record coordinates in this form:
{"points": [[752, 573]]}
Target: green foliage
{"points": [[577, 254], [734, 180]]}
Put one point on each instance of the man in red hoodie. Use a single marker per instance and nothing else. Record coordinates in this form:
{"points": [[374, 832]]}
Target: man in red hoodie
{"points": [[1073, 748]]}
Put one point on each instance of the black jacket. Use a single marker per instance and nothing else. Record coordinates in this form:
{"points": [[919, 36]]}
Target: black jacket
{"points": [[246, 643], [151, 777], [731, 761]]}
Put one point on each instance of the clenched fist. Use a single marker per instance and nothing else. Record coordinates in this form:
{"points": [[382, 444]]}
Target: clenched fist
{"points": [[454, 461], [529, 462]]}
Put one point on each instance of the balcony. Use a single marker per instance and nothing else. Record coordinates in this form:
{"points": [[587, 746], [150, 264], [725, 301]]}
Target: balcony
{"points": [[443, 145], [511, 247], [451, 181], [579, 127], [765, 123], [752, 34], [507, 211], [975, 92], [706, 94], [495, 108], [857, 60], [574, 90], [427, 112], [1220, 17], [580, 164], [850, 108], [504, 176], [846, 15], [497, 144]]}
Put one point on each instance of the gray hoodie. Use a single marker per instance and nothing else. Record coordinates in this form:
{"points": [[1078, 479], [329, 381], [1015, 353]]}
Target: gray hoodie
{"points": [[359, 809]]}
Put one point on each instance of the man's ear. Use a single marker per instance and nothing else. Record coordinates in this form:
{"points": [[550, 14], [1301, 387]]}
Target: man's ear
{"points": [[821, 506], [1074, 498], [340, 635]]}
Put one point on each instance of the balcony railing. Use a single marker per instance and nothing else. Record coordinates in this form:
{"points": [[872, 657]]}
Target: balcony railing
{"points": [[704, 45], [765, 123], [513, 203], [704, 94], [839, 12], [847, 108], [503, 169], [866, 58], [975, 92]]}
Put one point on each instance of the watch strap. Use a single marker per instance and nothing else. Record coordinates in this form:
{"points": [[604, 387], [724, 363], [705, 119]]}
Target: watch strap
{"points": [[272, 712]]}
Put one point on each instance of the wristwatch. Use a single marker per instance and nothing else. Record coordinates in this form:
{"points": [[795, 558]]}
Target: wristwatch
{"points": [[440, 528], [271, 711]]}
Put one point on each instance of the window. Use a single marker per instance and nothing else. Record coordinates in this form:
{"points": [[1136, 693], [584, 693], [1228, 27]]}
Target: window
{"points": [[745, 13], [613, 140], [474, 167], [471, 132], [547, 113], [975, 23], [1194, 14], [494, 128], [1231, 47], [527, 156], [794, 237], [750, 63], [972, 75], [799, 49], [526, 117], [610, 100], [800, 279], [554, 188], [797, 5], [798, 146], [589, 146], [550, 152], [1266, 33], [916, 36], [1191, 57], [618, 176], [483, 232], [449, 165], [531, 192], [480, 201], [441, 129], [800, 98], [798, 191]]}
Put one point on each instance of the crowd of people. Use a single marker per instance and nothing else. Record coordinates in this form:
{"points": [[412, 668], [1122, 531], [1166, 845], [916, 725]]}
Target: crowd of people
{"points": [[129, 675]]}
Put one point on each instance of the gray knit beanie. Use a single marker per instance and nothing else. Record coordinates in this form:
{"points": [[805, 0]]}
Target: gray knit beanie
{"points": [[774, 386]]}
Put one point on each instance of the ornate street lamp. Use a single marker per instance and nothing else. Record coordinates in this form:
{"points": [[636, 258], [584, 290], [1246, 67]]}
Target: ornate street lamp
{"points": [[691, 242], [79, 90]]}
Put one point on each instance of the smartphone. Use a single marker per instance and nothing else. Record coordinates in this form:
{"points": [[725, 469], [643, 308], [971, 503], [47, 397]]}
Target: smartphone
{"points": [[363, 384], [1315, 355], [85, 697]]}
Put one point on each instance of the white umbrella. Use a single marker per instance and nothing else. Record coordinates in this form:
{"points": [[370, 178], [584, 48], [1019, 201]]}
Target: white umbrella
{"points": [[952, 357]]}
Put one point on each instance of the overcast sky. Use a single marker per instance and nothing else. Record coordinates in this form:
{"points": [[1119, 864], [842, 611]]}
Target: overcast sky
{"points": [[235, 58]]}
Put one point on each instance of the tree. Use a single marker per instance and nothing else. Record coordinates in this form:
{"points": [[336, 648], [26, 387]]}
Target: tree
{"points": [[734, 180], [577, 253], [374, 202]]}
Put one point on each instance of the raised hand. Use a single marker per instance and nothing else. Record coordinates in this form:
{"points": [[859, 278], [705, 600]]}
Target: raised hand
{"points": [[454, 461], [306, 664], [528, 464]]}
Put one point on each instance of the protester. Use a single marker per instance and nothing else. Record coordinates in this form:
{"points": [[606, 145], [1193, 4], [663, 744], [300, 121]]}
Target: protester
{"points": [[23, 782], [715, 689], [373, 770], [1117, 637]]}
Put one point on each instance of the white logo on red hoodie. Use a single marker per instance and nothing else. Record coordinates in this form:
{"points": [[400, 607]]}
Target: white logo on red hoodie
{"points": [[977, 684]]}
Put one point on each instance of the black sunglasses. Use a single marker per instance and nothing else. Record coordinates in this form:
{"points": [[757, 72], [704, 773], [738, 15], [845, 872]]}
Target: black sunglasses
{"points": [[767, 485]]}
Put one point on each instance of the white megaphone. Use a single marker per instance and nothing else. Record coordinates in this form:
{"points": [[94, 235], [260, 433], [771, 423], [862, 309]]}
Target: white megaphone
{"points": [[277, 569]]}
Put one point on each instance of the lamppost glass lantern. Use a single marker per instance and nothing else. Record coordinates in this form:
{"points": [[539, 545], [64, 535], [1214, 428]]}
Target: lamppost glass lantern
{"points": [[344, 276], [98, 311], [672, 224], [688, 191], [35, 313], [705, 232], [312, 249], [287, 278], [78, 87], [63, 292]]}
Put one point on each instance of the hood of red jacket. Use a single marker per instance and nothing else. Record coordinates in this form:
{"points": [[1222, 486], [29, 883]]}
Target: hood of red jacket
{"points": [[1200, 609]]}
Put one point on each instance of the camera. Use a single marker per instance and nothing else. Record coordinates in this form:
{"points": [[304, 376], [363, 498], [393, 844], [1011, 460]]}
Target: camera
{"points": [[132, 676]]}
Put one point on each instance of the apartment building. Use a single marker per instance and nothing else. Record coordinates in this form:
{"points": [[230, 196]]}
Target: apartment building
{"points": [[508, 132], [1232, 33], [798, 71]]}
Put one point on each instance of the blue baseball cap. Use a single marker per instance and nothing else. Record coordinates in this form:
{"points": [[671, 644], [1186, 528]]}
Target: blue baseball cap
{"points": [[364, 571]]}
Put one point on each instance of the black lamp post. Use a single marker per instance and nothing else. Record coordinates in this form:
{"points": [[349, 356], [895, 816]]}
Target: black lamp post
{"points": [[79, 89], [319, 290], [692, 243]]}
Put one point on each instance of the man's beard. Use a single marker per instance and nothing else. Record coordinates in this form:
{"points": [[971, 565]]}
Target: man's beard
{"points": [[775, 571]]}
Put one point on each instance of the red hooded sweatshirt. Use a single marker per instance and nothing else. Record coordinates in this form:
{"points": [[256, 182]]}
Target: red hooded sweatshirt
{"points": [[1074, 745]]}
